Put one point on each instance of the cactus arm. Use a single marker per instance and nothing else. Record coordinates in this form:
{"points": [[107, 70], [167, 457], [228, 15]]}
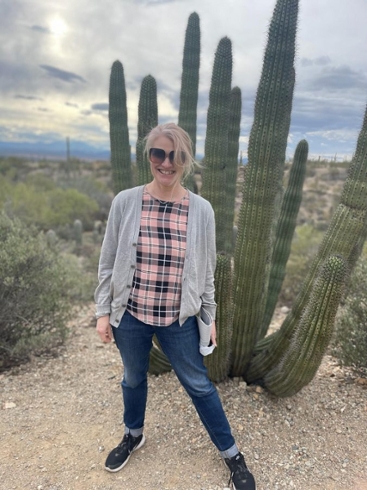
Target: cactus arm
{"points": [[266, 154], [190, 79], [218, 362], [312, 334], [285, 229], [232, 165], [147, 120], [342, 237], [119, 130], [216, 141]]}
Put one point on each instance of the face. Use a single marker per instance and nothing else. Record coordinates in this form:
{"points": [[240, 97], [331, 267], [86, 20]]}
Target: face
{"points": [[165, 174]]}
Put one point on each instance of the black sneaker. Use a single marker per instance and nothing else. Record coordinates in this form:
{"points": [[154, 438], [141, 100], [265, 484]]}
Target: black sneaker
{"points": [[241, 476], [119, 456]]}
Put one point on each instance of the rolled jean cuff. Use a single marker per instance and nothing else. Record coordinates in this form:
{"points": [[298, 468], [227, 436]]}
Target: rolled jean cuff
{"points": [[134, 432], [229, 453]]}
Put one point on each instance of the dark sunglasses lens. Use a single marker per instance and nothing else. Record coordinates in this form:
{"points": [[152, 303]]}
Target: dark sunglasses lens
{"points": [[157, 155]]}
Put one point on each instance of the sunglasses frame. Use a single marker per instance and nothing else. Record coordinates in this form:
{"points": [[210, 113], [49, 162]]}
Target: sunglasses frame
{"points": [[160, 160]]}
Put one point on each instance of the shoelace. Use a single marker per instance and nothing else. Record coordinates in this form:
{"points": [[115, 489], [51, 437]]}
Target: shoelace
{"points": [[124, 444]]}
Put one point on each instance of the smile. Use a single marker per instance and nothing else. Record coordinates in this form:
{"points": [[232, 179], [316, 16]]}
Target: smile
{"points": [[166, 172]]}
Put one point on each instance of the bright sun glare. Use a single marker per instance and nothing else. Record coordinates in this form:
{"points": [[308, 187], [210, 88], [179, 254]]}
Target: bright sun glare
{"points": [[58, 26]]}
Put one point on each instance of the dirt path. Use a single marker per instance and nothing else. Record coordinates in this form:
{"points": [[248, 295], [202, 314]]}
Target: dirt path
{"points": [[60, 417]]}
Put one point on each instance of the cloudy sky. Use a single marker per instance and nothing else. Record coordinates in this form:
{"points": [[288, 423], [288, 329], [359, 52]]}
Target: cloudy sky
{"points": [[55, 61]]}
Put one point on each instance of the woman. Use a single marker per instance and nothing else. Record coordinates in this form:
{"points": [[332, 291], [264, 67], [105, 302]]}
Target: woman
{"points": [[156, 273]]}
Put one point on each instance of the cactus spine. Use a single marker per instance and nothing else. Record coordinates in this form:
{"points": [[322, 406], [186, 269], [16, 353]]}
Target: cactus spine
{"points": [[147, 119], [266, 154], [119, 130]]}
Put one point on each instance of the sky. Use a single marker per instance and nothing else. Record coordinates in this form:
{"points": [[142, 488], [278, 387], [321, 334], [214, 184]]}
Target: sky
{"points": [[56, 58]]}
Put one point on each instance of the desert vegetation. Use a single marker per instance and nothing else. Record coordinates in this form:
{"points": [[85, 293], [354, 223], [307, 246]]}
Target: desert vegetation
{"points": [[35, 256], [269, 227]]}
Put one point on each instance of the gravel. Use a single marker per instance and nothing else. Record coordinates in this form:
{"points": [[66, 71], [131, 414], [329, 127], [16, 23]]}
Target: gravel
{"points": [[61, 416]]}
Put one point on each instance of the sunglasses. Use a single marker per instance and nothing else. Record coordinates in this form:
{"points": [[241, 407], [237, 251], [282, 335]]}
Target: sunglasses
{"points": [[157, 155]]}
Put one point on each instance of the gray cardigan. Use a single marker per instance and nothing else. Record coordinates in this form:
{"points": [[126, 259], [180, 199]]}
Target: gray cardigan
{"points": [[118, 257]]}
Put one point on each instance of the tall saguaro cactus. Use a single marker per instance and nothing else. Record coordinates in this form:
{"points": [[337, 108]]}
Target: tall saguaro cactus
{"points": [[216, 141], [190, 79], [119, 130], [286, 360], [147, 120], [266, 155]]}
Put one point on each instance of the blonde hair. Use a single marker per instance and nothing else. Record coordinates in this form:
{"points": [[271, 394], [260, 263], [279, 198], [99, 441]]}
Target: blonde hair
{"points": [[182, 145]]}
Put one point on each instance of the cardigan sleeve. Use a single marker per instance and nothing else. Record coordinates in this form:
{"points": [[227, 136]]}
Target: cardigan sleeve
{"points": [[102, 294], [208, 298]]}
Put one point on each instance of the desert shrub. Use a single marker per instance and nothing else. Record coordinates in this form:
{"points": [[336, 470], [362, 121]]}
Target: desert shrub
{"points": [[350, 339], [34, 302], [51, 208], [98, 191]]}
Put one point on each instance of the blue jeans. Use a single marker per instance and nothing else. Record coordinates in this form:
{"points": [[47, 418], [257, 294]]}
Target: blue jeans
{"points": [[181, 345]]}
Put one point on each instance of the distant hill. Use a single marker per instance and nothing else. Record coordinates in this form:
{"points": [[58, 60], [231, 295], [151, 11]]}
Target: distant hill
{"points": [[53, 150]]}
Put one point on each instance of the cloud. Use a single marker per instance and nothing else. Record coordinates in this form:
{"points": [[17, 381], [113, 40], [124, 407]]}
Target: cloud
{"points": [[71, 104], [66, 76], [99, 107], [340, 78], [321, 61], [27, 97], [42, 30], [151, 3]]}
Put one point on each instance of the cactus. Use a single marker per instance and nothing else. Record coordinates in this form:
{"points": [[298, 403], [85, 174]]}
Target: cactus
{"points": [[78, 235], [190, 79], [51, 238], [190, 87], [147, 119], [266, 155], [312, 334], [288, 359], [218, 363], [285, 229], [216, 141], [342, 237], [232, 166], [119, 131]]}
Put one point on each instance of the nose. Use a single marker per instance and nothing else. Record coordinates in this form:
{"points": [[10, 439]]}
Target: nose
{"points": [[166, 162]]}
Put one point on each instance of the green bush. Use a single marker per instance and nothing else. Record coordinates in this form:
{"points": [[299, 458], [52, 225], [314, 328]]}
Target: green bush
{"points": [[350, 339], [34, 303], [48, 209]]}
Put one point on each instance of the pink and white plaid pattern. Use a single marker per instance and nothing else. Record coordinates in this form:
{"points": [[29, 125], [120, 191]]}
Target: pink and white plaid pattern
{"points": [[156, 290]]}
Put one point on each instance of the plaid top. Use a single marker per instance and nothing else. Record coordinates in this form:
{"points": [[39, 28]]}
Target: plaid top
{"points": [[155, 295]]}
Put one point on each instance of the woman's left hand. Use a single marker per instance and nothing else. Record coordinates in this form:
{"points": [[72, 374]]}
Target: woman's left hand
{"points": [[213, 334]]}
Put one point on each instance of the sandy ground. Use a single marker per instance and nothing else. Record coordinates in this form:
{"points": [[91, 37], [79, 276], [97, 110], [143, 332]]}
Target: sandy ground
{"points": [[60, 417]]}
